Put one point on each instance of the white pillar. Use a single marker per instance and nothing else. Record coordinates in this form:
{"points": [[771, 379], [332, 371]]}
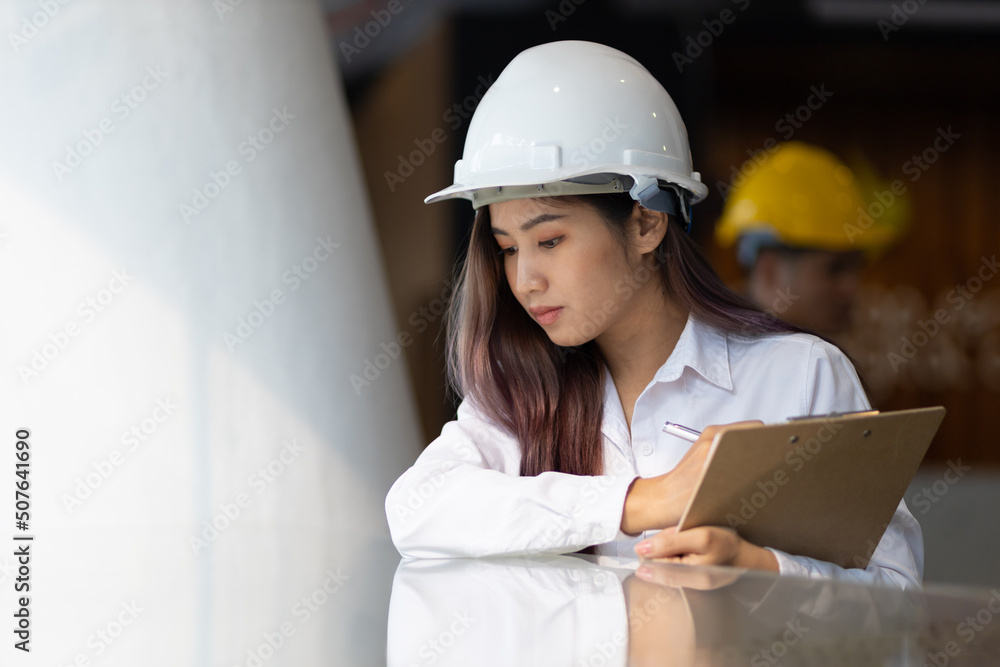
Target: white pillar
{"points": [[190, 278]]}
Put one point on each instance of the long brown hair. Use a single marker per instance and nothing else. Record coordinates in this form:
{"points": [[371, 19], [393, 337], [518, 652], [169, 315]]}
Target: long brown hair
{"points": [[551, 398]]}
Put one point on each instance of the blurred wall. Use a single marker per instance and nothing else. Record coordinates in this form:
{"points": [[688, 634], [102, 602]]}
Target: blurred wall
{"points": [[192, 286], [406, 139]]}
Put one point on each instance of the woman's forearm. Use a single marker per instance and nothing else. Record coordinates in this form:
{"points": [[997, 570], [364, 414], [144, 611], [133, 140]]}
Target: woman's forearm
{"points": [[653, 503]]}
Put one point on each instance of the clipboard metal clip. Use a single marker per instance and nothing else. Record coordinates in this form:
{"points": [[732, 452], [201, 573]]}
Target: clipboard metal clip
{"points": [[834, 415]]}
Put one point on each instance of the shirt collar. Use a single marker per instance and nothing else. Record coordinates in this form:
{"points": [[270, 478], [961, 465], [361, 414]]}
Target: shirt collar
{"points": [[702, 348]]}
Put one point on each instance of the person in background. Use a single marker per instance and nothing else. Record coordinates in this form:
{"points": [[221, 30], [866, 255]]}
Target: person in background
{"points": [[804, 232]]}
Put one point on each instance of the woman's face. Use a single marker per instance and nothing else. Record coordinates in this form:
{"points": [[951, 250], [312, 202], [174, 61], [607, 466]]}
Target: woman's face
{"points": [[566, 268]]}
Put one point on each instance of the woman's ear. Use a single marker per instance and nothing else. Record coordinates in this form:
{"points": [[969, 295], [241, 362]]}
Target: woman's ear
{"points": [[646, 229]]}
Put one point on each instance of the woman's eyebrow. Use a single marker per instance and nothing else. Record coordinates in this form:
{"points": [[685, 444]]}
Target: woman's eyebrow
{"points": [[544, 217]]}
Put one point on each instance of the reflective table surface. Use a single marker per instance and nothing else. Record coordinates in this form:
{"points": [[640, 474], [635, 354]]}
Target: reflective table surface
{"points": [[305, 598], [569, 610]]}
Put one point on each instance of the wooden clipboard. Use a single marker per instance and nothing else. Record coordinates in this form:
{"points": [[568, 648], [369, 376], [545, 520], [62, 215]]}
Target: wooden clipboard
{"points": [[822, 487]]}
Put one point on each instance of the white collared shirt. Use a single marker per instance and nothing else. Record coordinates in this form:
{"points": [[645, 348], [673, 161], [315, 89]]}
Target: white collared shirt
{"points": [[464, 496]]}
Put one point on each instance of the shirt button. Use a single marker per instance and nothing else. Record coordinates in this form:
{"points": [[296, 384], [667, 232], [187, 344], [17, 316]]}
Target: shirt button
{"points": [[646, 449]]}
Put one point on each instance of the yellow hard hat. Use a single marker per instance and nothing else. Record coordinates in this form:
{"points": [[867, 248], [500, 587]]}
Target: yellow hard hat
{"points": [[802, 196]]}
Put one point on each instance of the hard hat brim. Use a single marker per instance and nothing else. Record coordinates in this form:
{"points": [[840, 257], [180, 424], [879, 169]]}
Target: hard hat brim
{"points": [[507, 191]]}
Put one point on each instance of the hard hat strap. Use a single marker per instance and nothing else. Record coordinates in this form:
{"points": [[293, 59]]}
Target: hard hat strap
{"points": [[666, 198]]}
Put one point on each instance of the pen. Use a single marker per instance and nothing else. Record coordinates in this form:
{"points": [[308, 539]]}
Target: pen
{"points": [[691, 435], [688, 434]]}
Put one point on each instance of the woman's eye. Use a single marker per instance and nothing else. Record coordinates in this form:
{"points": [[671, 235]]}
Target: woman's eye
{"points": [[551, 243], [507, 251]]}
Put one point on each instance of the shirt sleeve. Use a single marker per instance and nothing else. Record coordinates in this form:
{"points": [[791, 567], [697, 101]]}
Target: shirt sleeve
{"points": [[464, 497], [833, 386], [897, 560]]}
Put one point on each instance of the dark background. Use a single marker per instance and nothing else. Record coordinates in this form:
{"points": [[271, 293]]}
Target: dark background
{"points": [[893, 91]]}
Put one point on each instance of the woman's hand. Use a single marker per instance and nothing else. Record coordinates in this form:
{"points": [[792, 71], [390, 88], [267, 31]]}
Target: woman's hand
{"points": [[708, 545], [657, 502]]}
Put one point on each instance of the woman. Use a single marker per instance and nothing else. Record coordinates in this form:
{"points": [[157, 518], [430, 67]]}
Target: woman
{"points": [[584, 317]]}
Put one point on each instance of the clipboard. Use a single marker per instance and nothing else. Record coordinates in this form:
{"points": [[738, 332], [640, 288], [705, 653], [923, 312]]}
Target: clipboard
{"points": [[822, 487]]}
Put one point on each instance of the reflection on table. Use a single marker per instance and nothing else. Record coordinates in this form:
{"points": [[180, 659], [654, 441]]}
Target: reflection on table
{"points": [[568, 610]]}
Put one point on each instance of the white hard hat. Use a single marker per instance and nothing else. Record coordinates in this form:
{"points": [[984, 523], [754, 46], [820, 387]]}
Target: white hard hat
{"points": [[576, 117]]}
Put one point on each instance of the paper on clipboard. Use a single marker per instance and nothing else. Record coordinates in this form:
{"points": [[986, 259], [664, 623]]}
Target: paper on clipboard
{"points": [[824, 488]]}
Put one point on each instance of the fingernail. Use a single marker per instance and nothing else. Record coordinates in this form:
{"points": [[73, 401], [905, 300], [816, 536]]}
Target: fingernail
{"points": [[644, 572], [643, 547]]}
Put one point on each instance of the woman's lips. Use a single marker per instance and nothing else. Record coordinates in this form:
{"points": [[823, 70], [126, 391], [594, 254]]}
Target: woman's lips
{"points": [[546, 315]]}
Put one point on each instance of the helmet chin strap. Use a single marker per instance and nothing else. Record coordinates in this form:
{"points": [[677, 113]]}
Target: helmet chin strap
{"points": [[664, 198]]}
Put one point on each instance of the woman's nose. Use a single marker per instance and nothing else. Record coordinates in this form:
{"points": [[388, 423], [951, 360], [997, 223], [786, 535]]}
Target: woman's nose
{"points": [[529, 275]]}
